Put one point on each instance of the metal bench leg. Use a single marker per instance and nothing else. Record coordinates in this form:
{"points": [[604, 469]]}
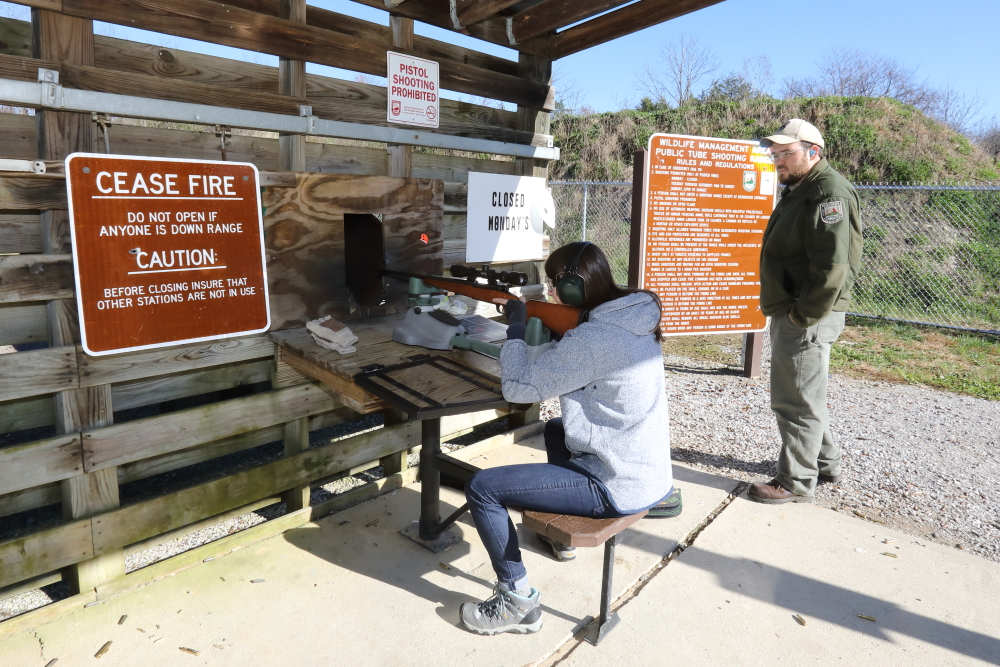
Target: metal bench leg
{"points": [[609, 619], [429, 531]]}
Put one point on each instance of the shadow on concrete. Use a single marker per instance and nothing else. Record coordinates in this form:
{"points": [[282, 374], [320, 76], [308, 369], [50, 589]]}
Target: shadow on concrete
{"points": [[403, 563], [837, 605], [723, 462]]}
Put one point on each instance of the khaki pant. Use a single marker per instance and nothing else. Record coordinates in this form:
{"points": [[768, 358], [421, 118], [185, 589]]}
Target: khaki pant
{"points": [[800, 367]]}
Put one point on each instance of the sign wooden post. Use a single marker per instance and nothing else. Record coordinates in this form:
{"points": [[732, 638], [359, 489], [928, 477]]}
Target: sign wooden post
{"points": [[704, 205], [165, 251]]}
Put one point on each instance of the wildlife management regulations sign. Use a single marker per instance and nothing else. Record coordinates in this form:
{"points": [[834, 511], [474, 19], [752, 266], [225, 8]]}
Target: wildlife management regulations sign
{"points": [[165, 251]]}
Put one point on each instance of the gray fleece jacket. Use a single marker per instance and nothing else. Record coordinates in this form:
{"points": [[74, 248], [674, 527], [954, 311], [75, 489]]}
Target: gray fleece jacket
{"points": [[608, 375]]}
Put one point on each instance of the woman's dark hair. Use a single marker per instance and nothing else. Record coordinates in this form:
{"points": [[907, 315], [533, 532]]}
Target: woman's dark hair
{"points": [[599, 284]]}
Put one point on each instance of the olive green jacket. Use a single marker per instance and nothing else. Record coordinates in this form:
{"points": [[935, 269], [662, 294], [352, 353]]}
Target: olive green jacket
{"points": [[811, 250]]}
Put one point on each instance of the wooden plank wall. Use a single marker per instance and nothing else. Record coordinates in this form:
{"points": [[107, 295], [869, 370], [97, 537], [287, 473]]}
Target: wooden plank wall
{"points": [[82, 455]]}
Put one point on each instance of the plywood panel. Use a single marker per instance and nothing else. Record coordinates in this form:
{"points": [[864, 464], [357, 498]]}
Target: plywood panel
{"points": [[305, 241]]}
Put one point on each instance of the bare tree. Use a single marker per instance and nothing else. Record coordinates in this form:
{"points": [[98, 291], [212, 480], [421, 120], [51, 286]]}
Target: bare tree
{"points": [[953, 108], [988, 137], [682, 64], [757, 72], [857, 73]]}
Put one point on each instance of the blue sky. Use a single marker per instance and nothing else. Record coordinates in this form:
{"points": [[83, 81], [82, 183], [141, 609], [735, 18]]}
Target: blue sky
{"points": [[952, 44]]}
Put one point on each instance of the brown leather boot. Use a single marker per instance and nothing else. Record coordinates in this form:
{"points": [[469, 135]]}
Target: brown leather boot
{"points": [[773, 493]]}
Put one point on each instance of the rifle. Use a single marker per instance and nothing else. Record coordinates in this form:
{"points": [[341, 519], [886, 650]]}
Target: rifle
{"points": [[556, 317]]}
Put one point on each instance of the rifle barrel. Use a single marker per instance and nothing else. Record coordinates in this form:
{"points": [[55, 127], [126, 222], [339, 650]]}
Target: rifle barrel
{"points": [[558, 318]]}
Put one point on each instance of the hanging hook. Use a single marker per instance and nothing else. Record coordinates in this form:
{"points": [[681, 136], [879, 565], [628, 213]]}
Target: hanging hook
{"points": [[223, 131], [104, 123]]}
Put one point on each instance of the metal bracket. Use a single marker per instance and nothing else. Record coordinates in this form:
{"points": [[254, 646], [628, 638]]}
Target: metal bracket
{"points": [[30, 166], [51, 94], [510, 32], [306, 111]]}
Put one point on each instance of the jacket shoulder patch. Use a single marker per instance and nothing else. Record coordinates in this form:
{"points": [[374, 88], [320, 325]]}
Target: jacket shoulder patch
{"points": [[831, 212]]}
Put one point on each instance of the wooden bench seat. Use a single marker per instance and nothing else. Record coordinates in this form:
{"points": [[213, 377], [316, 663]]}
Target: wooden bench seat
{"points": [[579, 531]]}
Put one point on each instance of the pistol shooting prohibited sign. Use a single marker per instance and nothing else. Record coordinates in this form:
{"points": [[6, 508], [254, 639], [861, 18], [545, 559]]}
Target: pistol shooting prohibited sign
{"points": [[414, 95], [165, 251], [707, 202]]}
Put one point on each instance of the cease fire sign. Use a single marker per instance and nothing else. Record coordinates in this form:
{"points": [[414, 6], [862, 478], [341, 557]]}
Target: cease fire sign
{"points": [[165, 251]]}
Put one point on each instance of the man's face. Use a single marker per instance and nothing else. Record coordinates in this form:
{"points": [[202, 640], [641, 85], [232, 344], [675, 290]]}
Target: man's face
{"points": [[791, 161]]}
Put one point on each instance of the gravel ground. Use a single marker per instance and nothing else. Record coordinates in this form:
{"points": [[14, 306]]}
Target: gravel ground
{"points": [[915, 459]]}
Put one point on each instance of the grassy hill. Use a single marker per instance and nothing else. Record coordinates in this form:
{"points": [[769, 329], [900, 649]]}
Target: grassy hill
{"points": [[868, 139]]}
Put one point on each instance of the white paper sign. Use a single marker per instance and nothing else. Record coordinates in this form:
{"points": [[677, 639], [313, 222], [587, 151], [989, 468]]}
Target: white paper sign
{"points": [[506, 218], [413, 91]]}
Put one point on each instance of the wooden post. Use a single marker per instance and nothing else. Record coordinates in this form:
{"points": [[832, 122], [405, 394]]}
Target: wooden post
{"points": [[399, 163], [296, 442], [70, 40], [399, 159], [536, 69], [539, 70], [394, 462], [753, 348], [637, 230], [292, 81], [518, 419]]}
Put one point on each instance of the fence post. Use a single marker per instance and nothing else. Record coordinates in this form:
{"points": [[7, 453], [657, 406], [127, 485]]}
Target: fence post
{"points": [[584, 233]]}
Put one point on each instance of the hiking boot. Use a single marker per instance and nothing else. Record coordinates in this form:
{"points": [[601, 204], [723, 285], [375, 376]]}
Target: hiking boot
{"points": [[823, 478], [559, 550], [774, 493], [503, 612]]}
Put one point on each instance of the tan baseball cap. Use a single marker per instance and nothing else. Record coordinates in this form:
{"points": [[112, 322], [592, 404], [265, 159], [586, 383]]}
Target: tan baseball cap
{"points": [[794, 130]]}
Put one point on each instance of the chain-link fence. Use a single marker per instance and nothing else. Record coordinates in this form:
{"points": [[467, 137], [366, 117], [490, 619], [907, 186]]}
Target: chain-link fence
{"points": [[931, 254]]}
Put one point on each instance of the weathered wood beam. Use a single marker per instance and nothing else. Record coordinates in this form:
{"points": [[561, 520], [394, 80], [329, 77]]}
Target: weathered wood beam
{"points": [[142, 438], [624, 21], [209, 21], [438, 13], [551, 15], [36, 278], [470, 12], [292, 83], [20, 193], [40, 462], [138, 522], [45, 551]]}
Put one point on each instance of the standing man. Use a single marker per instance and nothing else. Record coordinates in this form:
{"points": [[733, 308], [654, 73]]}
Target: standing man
{"points": [[810, 256]]}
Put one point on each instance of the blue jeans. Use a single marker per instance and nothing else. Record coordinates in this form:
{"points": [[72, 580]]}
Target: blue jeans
{"points": [[557, 487]]}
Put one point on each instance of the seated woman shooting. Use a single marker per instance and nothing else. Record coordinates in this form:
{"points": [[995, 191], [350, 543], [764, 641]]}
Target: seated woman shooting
{"points": [[609, 454]]}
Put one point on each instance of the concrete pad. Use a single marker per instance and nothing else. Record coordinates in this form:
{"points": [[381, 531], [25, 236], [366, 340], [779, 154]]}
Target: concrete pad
{"points": [[350, 590], [730, 598]]}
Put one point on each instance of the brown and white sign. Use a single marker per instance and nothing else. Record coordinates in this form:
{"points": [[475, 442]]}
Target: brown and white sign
{"points": [[414, 94], [707, 202], [165, 251]]}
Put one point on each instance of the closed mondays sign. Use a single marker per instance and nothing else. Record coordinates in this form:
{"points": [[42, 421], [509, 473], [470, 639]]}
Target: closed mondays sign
{"points": [[506, 217], [165, 251]]}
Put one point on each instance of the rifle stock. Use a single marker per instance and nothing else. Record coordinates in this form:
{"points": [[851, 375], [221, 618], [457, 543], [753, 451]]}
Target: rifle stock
{"points": [[556, 317]]}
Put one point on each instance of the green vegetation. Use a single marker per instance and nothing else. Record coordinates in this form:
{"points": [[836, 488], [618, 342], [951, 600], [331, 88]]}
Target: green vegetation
{"points": [[868, 139], [880, 350], [952, 361]]}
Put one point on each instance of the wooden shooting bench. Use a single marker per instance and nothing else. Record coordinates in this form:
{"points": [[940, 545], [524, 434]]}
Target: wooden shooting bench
{"points": [[579, 531], [424, 384]]}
